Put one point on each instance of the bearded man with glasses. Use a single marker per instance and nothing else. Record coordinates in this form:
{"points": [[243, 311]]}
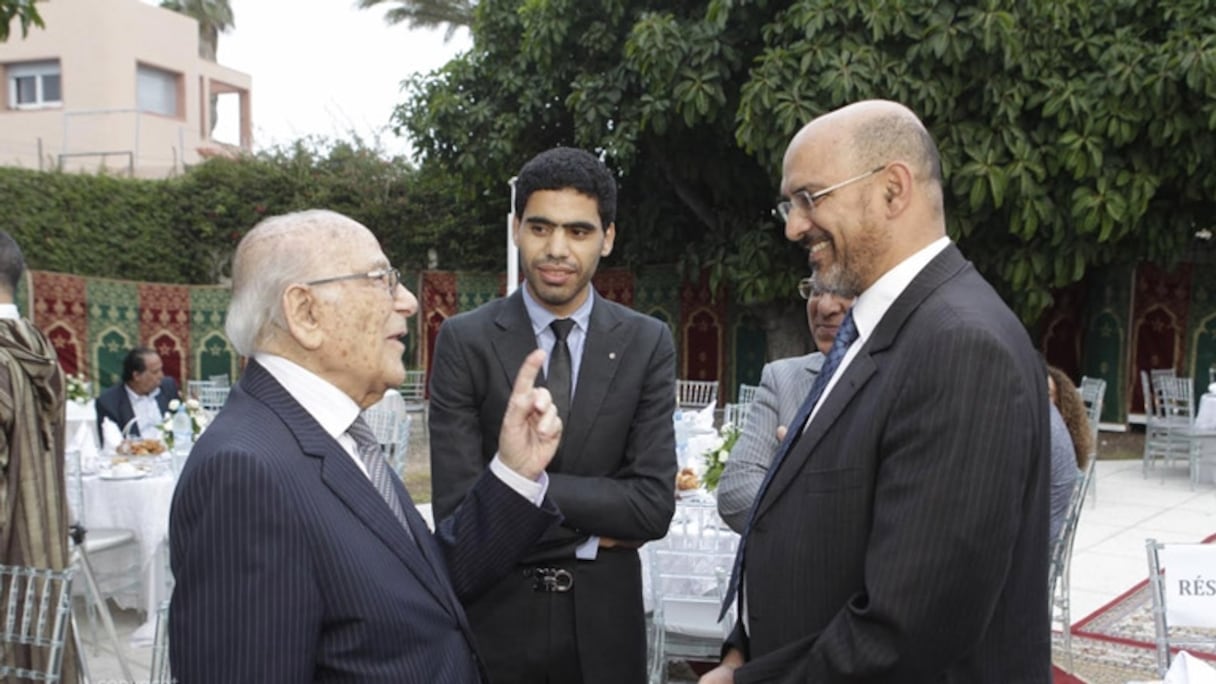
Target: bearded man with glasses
{"points": [[900, 534]]}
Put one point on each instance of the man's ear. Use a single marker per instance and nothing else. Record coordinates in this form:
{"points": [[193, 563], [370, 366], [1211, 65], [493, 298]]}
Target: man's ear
{"points": [[609, 239], [897, 188], [301, 311]]}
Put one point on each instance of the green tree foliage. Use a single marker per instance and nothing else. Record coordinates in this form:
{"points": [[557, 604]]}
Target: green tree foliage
{"points": [[184, 229], [1073, 134], [23, 11]]}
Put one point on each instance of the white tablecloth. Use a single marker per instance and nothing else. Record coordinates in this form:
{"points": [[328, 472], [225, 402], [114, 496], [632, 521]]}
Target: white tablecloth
{"points": [[141, 505], [80, 416]]}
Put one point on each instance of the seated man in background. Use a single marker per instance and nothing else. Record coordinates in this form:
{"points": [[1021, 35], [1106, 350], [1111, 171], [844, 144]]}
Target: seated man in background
{"points": [[784, 384], [143, 396]]}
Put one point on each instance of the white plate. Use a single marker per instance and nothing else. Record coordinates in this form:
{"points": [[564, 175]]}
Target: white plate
{"points": [[112, 476]]}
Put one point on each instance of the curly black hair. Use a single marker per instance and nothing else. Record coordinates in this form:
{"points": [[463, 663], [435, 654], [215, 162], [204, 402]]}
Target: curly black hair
{"points": [[567, 167]]}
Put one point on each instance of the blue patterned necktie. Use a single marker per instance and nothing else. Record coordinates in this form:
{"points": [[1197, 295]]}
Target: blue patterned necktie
{"points": [[845, 336], [377, 469]]}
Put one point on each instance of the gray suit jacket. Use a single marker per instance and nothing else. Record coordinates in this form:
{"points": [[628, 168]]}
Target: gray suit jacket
{"points": [[784, 384], [613, 476], [291, 568], [904, 536]]}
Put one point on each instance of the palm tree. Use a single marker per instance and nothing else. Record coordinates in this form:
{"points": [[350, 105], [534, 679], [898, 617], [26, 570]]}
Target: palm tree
{"points": [[213, 16], [427, 13]]}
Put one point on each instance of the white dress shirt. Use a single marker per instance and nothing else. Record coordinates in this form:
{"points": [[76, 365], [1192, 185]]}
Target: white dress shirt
{"points": [[146, 410], [335, 411]]}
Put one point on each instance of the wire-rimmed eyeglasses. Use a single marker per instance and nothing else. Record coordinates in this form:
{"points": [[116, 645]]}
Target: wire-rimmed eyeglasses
{"points": [[808, 287], [391, 277], [804, 200]]}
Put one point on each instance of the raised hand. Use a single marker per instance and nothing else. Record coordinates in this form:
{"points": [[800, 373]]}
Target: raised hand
{"points": [[531, 429]]}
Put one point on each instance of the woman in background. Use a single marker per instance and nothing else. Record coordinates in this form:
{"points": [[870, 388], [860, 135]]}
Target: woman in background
{"points": [[1071, 443]]}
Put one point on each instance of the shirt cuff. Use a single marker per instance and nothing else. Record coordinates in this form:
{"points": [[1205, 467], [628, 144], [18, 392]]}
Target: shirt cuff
{"points": [[532, 490], [588, 549]]}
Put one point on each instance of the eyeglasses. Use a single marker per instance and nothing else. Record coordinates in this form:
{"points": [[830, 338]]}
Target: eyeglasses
{"points": [[807, 288], [804, 201], [391, 276]]}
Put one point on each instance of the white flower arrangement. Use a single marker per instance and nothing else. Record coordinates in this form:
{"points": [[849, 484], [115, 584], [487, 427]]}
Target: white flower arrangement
{"points": [[198, 419], [716, 457], [78, 389]]}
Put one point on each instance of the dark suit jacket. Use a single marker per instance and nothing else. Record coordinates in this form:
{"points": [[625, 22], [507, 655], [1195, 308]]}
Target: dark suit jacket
{"points": [[113, 403], [291, 568], [904, 538], [614, 474]]}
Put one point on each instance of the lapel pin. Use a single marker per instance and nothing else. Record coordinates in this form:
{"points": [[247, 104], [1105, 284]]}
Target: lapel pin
{"points": [[611, 355]]}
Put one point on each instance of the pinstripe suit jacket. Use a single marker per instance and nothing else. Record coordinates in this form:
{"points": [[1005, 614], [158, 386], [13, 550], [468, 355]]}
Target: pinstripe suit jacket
{"points": [[291, 568], [904, 537], [784, 384], [614, 474]]}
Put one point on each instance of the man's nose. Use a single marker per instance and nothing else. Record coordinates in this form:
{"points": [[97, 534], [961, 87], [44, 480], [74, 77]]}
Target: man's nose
{"points": [[404, 301], [797, 226], [558, 245]]}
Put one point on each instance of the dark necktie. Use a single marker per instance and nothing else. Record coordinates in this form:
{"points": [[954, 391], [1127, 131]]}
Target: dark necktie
{"points": [[377, 469], [845, 336], [558, 379]]}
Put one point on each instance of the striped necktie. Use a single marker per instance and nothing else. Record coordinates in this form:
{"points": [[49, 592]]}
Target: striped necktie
{"points": [[845, 336], [377, 469]]}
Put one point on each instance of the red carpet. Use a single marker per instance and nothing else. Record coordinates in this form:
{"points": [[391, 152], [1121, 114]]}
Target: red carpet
{"points": [[1117, 642]]}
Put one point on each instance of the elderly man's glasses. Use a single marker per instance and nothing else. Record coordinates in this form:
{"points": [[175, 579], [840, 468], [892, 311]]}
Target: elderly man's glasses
{"points": [[804, 201], [807, 288], [390, 276]]}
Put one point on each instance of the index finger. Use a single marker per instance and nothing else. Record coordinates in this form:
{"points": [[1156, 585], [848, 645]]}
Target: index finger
{"points": [[525, 380]]}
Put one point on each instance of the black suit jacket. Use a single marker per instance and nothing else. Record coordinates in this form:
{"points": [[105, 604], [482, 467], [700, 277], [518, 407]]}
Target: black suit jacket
{"points": [[904, 537], [613, 476], [113, 403], [290, 567]]}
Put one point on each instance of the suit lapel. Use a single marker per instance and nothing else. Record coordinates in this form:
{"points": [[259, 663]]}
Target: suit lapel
{"points": [[516, 340], [348, 483], [943, 267], [603, 349]]}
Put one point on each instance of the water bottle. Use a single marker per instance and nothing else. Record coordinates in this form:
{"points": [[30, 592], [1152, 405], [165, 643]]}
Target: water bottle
{"points": [[183, 432]]}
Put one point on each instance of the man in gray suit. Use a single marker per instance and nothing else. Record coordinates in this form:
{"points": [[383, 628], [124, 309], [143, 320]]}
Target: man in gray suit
{"points": [[298, 555], [580, 587], [783, 386], [901, 535]]}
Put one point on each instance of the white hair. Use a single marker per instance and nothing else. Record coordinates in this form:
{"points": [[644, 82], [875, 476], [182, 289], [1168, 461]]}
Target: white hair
{"points": [[276, 253]]}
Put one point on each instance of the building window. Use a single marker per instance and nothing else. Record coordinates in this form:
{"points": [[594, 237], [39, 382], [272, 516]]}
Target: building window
{"points": [[34, 84], [157, 91]]}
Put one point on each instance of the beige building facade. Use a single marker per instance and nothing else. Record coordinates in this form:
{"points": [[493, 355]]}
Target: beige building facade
{"points": [[114, 85]]}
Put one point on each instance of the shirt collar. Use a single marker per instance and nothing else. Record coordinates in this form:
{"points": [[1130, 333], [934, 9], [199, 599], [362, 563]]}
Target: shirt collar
{"points": [[9, 311], [136, 396], [542, 317], [332, 408], [873, 304]]}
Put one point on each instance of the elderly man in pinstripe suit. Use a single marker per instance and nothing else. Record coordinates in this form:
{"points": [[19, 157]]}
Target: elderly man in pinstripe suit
{"points": [[901, 534], [299, 557], [784, 383]]}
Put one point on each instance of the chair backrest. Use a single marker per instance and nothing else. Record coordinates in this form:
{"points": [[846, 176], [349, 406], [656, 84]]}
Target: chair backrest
{"points": [[735, 414], [1150, 408], [392, 429], [1183, 602], [194, 388], [222, 380], [1177, 398], [1093, 393], [696, 393], [747, 393], [37, 608], [413, 389], [212, 397]]}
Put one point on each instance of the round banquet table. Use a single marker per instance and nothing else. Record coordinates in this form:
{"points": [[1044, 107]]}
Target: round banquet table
{"points": [[141, 505]]}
